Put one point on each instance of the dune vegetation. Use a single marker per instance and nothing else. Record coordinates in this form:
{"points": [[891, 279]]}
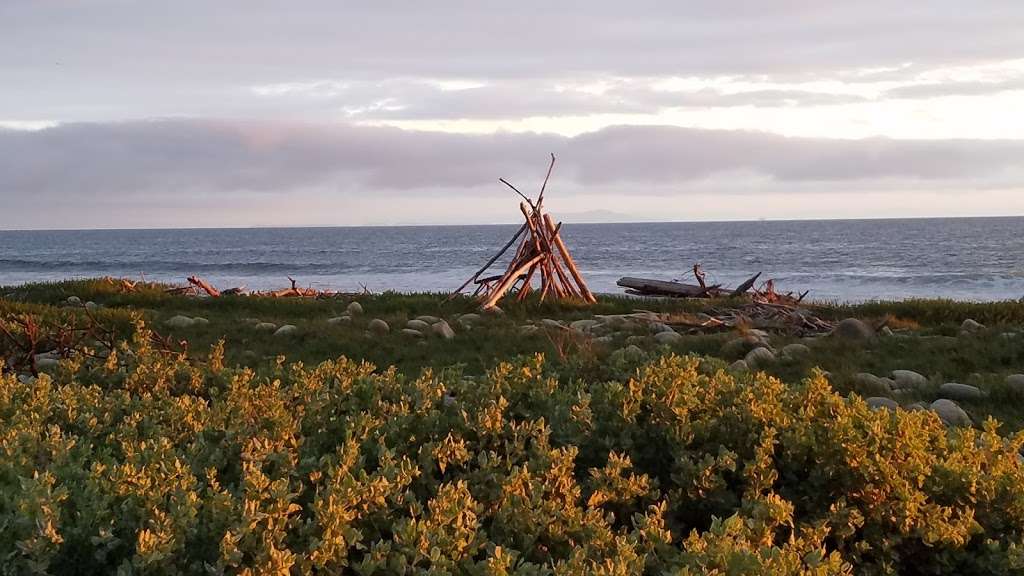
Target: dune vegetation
{"points": [[149, 433]]}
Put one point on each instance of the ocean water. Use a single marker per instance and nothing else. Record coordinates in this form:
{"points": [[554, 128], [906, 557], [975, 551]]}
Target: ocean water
{"points": [[853, 260]]}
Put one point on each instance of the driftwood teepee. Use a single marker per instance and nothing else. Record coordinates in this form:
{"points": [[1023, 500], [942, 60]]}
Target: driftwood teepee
{"points": [[541, 254]]}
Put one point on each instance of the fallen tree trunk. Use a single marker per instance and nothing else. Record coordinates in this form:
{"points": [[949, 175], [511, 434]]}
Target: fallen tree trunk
{"points": [[649, 287]]}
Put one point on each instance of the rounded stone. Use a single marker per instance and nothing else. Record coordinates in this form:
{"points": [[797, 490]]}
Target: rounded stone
{"points": [[339, 319], [909, 379], [412, 332], [739, 366], [442, 329], [950, 413], [551, 323], [200, 321], [528, 329], [74, 300], [742, 345], [178, 322], [870, 384], [670, 337], [583, 325], [878, 402], [853, 329], [266, 327], [286, 330], [1016, 382], [631, 353], [469, 318], [417, 325], [378, 327], [428, 319], [956, 391], [795, 351], [354, 308], [971, 326], [759, 358], [91, 306]]}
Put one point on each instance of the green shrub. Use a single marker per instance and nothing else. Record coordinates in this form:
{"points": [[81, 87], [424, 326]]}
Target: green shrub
{"points": [[150, 462]]}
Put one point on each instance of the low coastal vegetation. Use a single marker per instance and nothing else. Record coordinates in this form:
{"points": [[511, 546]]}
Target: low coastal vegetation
{"points": [[393, 434]]}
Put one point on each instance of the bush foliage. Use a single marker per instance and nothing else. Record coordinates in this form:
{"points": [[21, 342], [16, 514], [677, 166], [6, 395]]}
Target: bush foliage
{"points": [[150, 462]]}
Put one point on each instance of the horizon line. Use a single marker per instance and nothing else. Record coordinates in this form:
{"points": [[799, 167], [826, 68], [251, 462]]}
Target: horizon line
{"points": [[512, 223]]}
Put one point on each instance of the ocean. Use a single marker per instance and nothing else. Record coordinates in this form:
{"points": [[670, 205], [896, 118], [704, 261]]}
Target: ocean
{"points": [[849, 260]]}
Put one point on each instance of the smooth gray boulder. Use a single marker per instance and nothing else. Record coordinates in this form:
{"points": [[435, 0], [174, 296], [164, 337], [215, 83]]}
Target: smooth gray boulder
{"points": [[550, 323], [469, 319], [354, 309], [286, 330], [428, 319], [659, 327], [378, 327], [794, 351], [670, 337], [412, 332], [950, 413], [741, 345], [266, 327], [178, 322], [853, 329], [870, 384], [603, 340], [1016, 382], [970, 326], [528, 329], [91, 306], [584, 325], [417, 325], [339, 319], [738, 366], [879, 402], [909, 379], [442, 329], [956, 391], [74, 300], [200, 321], [758, 358]]}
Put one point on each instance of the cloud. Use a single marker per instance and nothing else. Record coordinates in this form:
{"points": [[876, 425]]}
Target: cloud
{"points": [[202, 157]]}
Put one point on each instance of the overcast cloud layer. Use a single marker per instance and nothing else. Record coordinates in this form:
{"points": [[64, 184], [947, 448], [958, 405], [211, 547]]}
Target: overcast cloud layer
{"points": [[123, 113]]}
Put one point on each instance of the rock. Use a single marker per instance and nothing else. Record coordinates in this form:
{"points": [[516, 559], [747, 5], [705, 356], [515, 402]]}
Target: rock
{"points": [[26, 378], [885, 331], [870, 384], [286, 330], [74, 300], [583, 325], [950, 413], [970, 326], [91, 306], [469, 319], [200, 320], [794, 351], [250, 321], [343, 319], [660, 327], [46, 362], [758, 358], [739, 366], [412, 332], [908, 379], [428, 319], [528, 329], [417, 325], [603, 340], [955, 391], [670, 337], [631, 353], [354, 309], [741, 345], [442, 329], [551, 323], [494, 311], [915, 407], [266, 327], [178, 322], [634, 340], [853, 329], [1016, 382], [878, 402], [378, 327]]}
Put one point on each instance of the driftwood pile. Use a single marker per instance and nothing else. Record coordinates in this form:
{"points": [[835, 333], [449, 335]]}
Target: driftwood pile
{"points": [[776, 318], [197, 286], [541, 254], [765, 293]]}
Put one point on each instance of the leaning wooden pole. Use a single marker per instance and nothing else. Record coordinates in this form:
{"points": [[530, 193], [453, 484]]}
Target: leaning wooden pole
{"points": [[569, 262]]}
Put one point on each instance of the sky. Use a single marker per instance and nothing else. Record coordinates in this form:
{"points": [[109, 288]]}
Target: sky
{"points": [[131, 114]]}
